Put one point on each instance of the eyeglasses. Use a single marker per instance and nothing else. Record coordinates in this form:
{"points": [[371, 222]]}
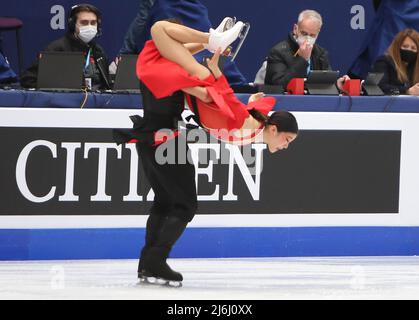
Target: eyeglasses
{"points": [[87, 22]]}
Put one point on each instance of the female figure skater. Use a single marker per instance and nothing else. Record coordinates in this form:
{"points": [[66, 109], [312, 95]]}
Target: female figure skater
{"points": [[166, 65], [166, 70]]}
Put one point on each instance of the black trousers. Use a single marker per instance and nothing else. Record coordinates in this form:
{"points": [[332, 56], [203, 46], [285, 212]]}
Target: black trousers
{"points": [[173, 184]]}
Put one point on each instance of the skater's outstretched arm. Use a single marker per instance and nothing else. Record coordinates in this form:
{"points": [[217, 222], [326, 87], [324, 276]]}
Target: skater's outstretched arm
{"points": [[213, 64], [215, 70], [201, 92]]}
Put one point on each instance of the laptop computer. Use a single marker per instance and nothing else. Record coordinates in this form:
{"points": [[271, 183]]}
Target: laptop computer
{"points": [[60, 71], [322, 82], [126, 80], [370, 84]]}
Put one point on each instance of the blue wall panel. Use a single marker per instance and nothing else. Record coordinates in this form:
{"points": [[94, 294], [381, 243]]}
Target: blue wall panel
{"points": [[64, 244], [271, 20]]}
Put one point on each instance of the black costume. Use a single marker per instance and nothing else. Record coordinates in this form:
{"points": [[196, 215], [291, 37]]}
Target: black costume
{"points": [[283, 65], [98, 70], [175, 201], [390, 84]]}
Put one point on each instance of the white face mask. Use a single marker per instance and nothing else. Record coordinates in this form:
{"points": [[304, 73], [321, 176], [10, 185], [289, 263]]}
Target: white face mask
{"points": [[310, 40], [87, 33]]}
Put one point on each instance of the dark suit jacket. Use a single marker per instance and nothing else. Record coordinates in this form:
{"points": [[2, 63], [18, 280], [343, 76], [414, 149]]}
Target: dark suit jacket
{"points": [[390, 84], [283, 66]]}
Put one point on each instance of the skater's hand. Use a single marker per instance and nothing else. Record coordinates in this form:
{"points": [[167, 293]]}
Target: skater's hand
{"points": [[213, 64], [256, 97], [305, 50]]}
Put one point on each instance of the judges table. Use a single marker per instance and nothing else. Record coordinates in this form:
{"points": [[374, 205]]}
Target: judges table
{"points": [[93, 100]]}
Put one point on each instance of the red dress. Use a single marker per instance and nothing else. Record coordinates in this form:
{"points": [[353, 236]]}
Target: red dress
{"points": [[224, 114]]}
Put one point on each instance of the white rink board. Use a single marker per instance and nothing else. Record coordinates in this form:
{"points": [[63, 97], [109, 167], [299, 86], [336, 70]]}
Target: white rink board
{"points": [[408, 215]]}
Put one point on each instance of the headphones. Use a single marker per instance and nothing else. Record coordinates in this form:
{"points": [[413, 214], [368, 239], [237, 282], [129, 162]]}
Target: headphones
{"points": [[72, 19]]}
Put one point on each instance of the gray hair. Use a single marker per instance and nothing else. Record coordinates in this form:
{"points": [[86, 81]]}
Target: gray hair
{"points": [[310, 14]]}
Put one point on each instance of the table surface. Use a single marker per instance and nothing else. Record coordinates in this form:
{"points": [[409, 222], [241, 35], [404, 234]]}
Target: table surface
{"points": [[40, 99]]}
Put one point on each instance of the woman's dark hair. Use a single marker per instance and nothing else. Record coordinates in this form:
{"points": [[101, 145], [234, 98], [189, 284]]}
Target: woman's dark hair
{"points": [[283, 120]]}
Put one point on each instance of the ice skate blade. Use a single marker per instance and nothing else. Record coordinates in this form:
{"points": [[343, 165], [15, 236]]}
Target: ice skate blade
{"points": [[159, 282], [233, 50]]}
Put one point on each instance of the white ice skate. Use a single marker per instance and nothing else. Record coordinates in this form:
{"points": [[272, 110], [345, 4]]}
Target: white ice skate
{"points": [[222, 40], [226, 24]]}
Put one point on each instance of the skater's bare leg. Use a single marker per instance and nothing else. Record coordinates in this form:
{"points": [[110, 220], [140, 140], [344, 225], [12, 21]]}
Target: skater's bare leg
{"points": [[170, 40], [194, 48]]}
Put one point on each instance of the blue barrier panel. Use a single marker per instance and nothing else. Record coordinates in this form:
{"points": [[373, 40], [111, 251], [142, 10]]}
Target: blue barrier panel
{"points": [[64, 244]]}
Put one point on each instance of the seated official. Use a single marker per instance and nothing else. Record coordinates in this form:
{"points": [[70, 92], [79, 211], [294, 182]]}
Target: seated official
{"points": [[400, 65], [296, 56], [84, 25]]}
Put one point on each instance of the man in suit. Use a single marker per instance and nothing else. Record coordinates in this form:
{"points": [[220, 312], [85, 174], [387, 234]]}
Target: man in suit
{"points": [[296, 56]]}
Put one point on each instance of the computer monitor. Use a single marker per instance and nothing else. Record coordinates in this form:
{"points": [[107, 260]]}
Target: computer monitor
{"points": [[322, 82], [126, 80], [60, 71], [370, 84]]}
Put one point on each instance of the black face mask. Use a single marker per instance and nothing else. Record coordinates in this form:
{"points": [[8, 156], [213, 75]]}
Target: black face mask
{"points": [[408, 56]]}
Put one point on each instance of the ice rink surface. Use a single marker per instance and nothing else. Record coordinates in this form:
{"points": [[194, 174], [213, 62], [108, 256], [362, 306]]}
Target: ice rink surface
{"points": [[218, 279]]}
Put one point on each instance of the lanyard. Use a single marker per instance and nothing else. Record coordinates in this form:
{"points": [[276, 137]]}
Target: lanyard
{"points": [[87, 60], [309, 67]]}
